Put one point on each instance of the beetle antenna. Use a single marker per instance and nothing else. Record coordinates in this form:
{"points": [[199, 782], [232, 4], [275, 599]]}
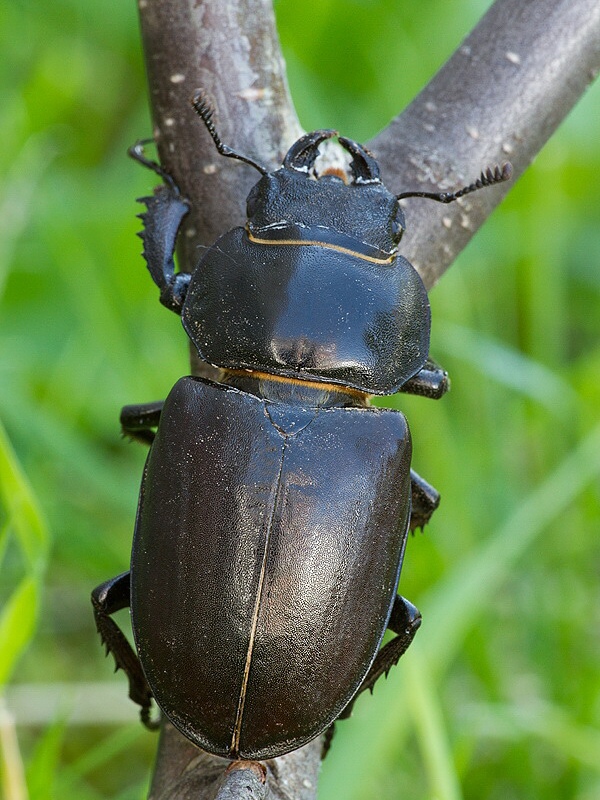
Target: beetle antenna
{"points": [[488, 177], [204, 110]]}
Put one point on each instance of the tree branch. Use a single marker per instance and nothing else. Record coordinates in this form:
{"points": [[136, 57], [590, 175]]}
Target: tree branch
{"points": [[183, 772], [498, 98]]}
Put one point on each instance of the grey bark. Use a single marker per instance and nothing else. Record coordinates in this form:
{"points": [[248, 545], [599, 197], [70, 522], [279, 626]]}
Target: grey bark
{"points": [[498, 98]]}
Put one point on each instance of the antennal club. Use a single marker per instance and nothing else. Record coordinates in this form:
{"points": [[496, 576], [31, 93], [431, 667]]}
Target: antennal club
{"points": [[488, 177], [204, 110]]}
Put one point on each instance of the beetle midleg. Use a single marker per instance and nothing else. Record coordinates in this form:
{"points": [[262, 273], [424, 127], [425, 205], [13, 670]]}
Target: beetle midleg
{"points": [[108, 598], [424, 501], [431, 381], [138, 421]]}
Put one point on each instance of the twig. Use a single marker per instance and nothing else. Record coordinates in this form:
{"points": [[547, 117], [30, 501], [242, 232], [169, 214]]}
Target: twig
{"points": [[498, 98]]}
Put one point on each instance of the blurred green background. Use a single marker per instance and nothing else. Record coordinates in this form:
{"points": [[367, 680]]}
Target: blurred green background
{"points": [[500, 695]]}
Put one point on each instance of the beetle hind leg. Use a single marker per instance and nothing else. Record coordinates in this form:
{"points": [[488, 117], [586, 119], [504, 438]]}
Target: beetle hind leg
{"points": [[404, 621], [108, 598]]}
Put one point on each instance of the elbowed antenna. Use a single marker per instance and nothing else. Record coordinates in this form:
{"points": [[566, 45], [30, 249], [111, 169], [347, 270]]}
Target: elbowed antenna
{"points": [[488, 177], [204, 110]]}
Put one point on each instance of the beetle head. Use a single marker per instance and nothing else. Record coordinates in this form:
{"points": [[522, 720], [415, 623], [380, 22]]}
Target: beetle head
{"points": [[295, 204]]}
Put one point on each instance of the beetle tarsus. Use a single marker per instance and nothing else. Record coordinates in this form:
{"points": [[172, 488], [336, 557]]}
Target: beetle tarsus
{"points": [[136, 151], [327, 740], [146, 719]]}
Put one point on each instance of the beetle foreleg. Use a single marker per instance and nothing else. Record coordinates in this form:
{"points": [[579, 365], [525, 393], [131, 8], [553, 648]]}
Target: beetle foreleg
{"points": [[425, 500], [108, 598], [138, 421], [136, 151], [162, 219], [166, 209], [431, 381], [404, 621]]}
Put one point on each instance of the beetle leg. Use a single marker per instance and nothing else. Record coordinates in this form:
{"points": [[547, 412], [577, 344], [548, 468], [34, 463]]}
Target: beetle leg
{"points": [[327, 740], [162, 219], [138, 421], [425, 500], [404, 621], [108, 598], [431, 381], [136, 151]]}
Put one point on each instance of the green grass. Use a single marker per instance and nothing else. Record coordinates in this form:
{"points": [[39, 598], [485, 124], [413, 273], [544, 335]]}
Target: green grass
{"points": [[499, 697]]}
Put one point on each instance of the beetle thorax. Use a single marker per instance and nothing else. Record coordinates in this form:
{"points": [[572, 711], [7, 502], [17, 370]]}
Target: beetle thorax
{"points": [[313, 289]]}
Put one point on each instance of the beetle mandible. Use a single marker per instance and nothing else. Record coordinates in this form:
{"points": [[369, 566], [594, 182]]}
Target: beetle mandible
{"points": [[275, 503]]}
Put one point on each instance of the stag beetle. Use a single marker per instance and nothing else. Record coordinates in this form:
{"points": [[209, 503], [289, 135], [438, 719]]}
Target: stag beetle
{"points": [[275, 503]]}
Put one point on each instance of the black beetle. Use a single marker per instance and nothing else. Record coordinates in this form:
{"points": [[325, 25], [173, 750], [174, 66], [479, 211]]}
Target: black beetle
{"points": [[275, 504]]}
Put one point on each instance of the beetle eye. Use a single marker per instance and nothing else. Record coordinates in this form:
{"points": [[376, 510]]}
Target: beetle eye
{"points": [[252, 202], [397, 228]]}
